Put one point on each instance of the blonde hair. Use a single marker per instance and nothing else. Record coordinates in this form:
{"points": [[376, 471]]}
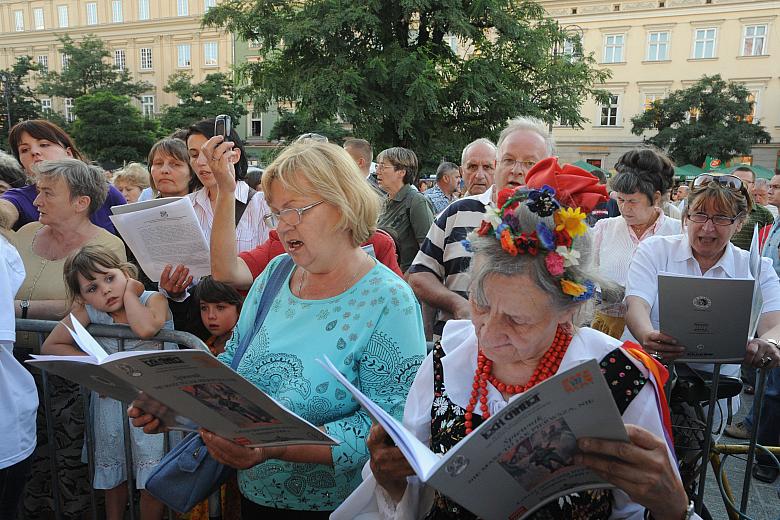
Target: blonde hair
{"points": [[87, 261], [326, 171], [134, 174]]}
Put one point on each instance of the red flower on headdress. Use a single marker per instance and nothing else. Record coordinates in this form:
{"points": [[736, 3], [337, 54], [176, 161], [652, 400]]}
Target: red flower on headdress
{"points": [[528, 243], [485, 228], [562, 238], [503, 196]]}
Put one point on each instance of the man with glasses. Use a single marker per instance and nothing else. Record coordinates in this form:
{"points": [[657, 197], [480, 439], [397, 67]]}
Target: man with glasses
{"points": [[769, 427], [758, 214], [439, 273]]}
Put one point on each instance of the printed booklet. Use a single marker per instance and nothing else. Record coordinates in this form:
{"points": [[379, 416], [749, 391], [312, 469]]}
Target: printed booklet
{"points": [[187, 389], [522, 457]]}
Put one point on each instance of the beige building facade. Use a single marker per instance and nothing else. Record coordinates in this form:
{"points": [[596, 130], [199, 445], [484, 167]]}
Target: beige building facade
{"points": [[654, 47], [152, 39]]}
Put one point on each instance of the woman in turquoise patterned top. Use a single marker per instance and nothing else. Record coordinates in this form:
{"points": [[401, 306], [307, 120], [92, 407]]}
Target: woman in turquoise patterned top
{"points": [[338, 302]]}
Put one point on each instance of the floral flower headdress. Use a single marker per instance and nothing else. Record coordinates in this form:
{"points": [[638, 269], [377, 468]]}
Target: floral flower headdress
{"points": [[501, 220]]}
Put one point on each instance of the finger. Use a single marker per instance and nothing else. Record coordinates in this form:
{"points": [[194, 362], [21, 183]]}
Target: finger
{"points": [[166, 274], [666, 338], [643, 438], [611, 469]]}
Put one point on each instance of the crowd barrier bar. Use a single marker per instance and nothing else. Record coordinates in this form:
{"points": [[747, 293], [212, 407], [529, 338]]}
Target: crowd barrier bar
{"points": [[121, 333]]}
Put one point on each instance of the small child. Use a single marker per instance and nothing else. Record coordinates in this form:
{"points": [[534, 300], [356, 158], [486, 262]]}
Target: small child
{"points": [[102, 289], [220, 306]]}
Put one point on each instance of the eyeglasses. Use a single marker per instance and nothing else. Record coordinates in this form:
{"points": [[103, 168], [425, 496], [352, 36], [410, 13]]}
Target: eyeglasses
{"points": [[718, 220], [290, 216], [512, 163], [385, 166], [726, 181]]}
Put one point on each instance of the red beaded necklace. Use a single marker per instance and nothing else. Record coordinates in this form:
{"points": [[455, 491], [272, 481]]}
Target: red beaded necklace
{"points": [[548, 366]]}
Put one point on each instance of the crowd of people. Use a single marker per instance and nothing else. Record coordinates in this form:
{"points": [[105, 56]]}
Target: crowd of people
{"points": [[513, 266]]}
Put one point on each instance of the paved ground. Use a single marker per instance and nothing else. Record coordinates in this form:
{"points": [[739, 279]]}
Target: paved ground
{"points": [[763, 503]]}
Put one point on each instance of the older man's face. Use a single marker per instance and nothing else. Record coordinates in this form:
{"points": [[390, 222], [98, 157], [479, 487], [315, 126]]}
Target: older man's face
{"points": [[518, 153], [478, 168]]}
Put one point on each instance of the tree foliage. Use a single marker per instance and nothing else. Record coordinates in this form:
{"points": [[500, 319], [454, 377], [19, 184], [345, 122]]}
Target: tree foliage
{"points": [[388, 66], [88, 71], [291, 124], [213, 96], [109, 128], [707, 118], [17, 100]]}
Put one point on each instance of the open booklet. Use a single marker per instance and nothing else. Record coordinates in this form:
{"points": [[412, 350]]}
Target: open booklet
{"points": [[713, 318], [163, 231], [187, 389], [522, 457]]}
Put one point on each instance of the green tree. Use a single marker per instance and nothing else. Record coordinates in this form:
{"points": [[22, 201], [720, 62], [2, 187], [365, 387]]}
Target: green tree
{"points": [[708, 118], [17, 100], [388, 67], [109, 128], [213, 96], [88, 71], [291, 124]]}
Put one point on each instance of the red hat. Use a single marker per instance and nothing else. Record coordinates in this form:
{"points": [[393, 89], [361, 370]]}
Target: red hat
{"points": [[574, 187]]}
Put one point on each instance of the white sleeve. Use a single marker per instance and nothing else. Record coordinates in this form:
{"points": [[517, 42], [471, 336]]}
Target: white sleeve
{"points": [[770, 287], [642, 280], [369, 500]]}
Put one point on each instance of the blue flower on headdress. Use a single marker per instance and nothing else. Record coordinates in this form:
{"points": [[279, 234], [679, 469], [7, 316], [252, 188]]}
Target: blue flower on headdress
{"points": [[466, 243], [546, 236], [501, 227], [542, 201], [588, 294]]}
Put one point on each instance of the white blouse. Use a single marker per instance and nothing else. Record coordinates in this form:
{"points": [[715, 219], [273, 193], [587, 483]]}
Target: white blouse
{"points": [[370, 501]]}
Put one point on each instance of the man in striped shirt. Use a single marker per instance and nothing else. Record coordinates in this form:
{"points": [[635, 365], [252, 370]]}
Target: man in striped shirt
{"points": [[439, 274]]}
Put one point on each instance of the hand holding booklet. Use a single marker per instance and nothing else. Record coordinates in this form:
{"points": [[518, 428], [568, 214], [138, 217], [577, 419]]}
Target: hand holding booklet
{"points": [[161, 232], [187, 389], [521, 457]]}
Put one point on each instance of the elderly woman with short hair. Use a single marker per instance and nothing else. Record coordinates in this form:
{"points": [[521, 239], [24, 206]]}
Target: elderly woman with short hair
{"points": [[407, 215], [644, 175], [527, 293], [337, 301], [131, 181], [69, 192]]}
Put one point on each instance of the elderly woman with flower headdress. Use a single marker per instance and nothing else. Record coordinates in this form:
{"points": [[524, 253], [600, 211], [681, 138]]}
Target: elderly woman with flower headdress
{"points": [[532, 277]]}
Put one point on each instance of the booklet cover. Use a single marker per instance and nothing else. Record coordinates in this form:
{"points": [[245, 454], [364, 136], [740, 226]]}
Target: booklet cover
{"points": [[522, 457], [187, 389], [163, 231], [710, 317]]}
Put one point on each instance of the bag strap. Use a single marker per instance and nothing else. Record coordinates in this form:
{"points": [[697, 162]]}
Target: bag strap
{"points": [[241, 206], [275, 281]]}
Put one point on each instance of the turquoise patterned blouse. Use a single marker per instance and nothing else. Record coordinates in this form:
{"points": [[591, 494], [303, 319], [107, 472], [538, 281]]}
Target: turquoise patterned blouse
{"points": [[373, 332]]}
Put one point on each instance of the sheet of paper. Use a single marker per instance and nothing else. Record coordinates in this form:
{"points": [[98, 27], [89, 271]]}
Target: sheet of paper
{"points": [[164, 234], [85, 340], [755, 271]]}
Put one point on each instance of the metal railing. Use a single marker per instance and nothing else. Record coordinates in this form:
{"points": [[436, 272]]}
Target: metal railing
{"points": [[122, 333]]}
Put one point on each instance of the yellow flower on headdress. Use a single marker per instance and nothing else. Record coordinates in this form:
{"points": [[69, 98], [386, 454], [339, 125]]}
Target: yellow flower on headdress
{"points": [[572, 288], [572, 220]]}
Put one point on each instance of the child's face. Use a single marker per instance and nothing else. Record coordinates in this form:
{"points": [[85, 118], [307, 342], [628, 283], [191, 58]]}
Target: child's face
{"points": [[219, 318], [106, 292]]}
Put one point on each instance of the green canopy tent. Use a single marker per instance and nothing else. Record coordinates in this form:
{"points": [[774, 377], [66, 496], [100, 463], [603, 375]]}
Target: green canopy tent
{"points": [[760, 171], [589, 167], [687, 172]]}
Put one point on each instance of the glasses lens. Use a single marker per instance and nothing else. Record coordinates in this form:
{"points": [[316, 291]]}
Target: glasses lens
{"points": [[699, 218], [702, 180], [722, 220], [291, 217]]}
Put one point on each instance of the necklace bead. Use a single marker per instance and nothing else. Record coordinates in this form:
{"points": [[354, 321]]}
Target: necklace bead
{"points": [[547, 366]]}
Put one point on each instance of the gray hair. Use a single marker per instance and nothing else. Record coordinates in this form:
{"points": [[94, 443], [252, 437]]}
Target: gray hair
{"points": [[83, 180], [528, 124], [481, 140], [761, 183], [499, 262]]}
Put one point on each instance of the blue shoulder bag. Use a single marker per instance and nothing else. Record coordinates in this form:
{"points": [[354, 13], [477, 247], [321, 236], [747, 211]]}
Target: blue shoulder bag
{"points": [[187, 474]]}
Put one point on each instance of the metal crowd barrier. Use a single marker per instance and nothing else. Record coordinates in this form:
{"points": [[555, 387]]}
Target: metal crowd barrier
{"points": [[122, 333]]}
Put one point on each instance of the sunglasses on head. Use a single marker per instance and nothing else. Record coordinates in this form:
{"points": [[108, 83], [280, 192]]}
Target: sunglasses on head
{"points": [[724, 180]]}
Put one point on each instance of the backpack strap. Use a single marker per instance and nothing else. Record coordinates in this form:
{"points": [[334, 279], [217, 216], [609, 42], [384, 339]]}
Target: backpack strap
{"points": [[241, 206]]}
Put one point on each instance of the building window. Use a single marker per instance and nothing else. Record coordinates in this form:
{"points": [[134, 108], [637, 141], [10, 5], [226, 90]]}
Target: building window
{"points": [[18, 21], [210, 53], [117, 16], [208, 4], [69, 115], [704, 43], [658, 46], [120, 59], [38, 19], [184, 56], [182, 7], [609, 112], [143, 9], [46, 106], [256, 125], [754, 42], [649, 98], [254, 44], [92, 13], [147, 106], [43, 63], [613, 48], [146, 58], [62, 15], [64, 60], [752, 117]]}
